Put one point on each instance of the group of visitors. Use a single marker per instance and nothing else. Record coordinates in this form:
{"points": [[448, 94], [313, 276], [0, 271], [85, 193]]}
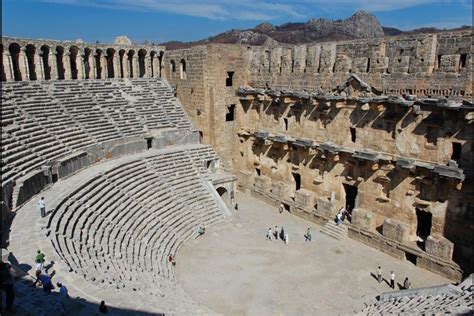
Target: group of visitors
{"points": [[341, 215], [283, 235], [406, 282]]}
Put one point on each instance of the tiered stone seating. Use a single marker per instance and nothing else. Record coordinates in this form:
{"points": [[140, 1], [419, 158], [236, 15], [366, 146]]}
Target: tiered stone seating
{"points": [[118, 229], [442, 300], [42, 121]]}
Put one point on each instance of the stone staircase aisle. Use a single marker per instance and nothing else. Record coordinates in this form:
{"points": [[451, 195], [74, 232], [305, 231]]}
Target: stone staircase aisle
{"points": [[335, 231]]}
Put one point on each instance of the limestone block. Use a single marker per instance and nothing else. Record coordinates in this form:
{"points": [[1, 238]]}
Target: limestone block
{"points": [[343, 64], [245, 179], [280, 189], [439, 247], [395, 230], [325, 207], [363, 219], [262, 183], [304, 198], [400, 64], [360, 64], [449, 63]]}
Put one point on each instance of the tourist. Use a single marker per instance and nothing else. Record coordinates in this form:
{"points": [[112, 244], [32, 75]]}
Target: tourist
{"points": [[275, 232], [63, 292], [201, 231], [102, 308], [338, 218], [45, 279], [269, 234], [308, 234], [392, 279], [286, 238], [39, 260], [406, 284], [7, 280], [236, 206], [379, 274], [171, 260], [282, 234], [281, 208], [42, 206]]}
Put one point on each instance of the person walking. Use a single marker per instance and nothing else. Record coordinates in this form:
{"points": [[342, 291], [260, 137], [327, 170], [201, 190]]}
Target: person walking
{"points": [[286, 238], [7, 281], [282, 234], [42, 206], [392, 279], [269, 234], [308, 234], [39, 260], [275, 232], [379, 274], [45, 280]]}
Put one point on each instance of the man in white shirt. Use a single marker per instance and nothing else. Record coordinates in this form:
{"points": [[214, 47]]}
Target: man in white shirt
{"points": [[42, 206], [379, 274], [269, 234], [392, 279]]}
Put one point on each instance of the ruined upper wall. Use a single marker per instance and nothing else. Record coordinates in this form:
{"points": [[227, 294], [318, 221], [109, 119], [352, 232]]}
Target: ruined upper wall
{"points": [[27, 59], [430, 65]]}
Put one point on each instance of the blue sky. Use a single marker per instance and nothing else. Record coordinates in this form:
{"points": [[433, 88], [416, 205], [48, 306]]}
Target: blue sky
{"points": [[187, 20]]}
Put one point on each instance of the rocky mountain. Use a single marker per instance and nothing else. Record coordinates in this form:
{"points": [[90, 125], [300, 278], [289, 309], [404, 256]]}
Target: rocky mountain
{"points": [[360, 25]]}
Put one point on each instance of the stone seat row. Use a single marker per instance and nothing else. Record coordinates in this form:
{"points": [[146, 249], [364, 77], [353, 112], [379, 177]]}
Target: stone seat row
{"points": [[118, 229]]}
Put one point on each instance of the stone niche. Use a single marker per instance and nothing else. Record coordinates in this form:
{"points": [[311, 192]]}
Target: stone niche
{"points": [[280, 189], [262, 183], [440, 247], [363, 218], [395, 230], [325, 207], [304, 198]]}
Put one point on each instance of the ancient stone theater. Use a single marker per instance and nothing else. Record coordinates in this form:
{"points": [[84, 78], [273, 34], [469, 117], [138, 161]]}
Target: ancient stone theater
{"points": [[136, 148]]}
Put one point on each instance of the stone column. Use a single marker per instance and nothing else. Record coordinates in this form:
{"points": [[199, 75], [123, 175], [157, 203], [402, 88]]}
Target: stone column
{"points": [[80, 66], [38, 61], [126, 72], [136, 69], [87, 73], [156, 66], [8, 66], [53, 65], [147, 66], [67, 65], [23, 65], [95, 67], [116, 63], [103, 61]]}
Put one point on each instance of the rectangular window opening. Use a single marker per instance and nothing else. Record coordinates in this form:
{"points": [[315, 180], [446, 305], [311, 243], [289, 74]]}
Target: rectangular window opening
{"points": [[353, 134], [230, 116], [463, 61], [456, 155], [228, 80]]}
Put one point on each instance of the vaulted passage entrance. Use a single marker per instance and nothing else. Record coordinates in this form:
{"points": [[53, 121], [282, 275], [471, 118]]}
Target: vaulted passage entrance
{"points": [[351, 196], [424, 220], [297, 178]]}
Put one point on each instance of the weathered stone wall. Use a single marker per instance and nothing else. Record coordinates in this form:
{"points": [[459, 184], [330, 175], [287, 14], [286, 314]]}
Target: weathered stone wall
{"points": [[25, 59], [429, 65]]}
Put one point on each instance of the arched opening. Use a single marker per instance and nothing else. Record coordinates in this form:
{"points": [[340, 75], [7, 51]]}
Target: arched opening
{"points": [[2, 69], [224, 194], [46, 65], [73, 51], [141, 63], [98, 65], [152, 63], [297, 178], [121, 54], [87, 65], [130, 63], [110, 63], [59, 62], [351, 197], [182, 69], [14, 50], [30, 57], [172, 67], [423, 227], [160, 61]]}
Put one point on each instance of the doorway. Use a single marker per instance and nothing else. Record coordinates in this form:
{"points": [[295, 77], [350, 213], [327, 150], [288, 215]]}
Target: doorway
{"points": [[149, 143], [351, 196], [297, 178], [424, 220]]}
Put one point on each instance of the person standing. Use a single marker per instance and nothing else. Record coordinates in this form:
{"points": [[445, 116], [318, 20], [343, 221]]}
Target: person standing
{"points": [[7, 281], [282, 234], [269, 234], [63, 292], [406, 284], [308, 234], [392, 279], [286, 238], [44, 279], [103, 308], [275, 232], [42, 206], [379, 274], [39, 260]]}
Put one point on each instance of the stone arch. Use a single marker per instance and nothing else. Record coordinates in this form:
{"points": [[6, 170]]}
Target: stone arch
{"points": [[224, 194], [110, 63], [160, 61], [87, 64], [30, 58], [14, 50], [130, 55], [45, 51], [172, 67], [153, 60], [3, 76], [121, 62], [141, 63], [182, 69], [73, 52], [98, 64], [60, 63]]}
